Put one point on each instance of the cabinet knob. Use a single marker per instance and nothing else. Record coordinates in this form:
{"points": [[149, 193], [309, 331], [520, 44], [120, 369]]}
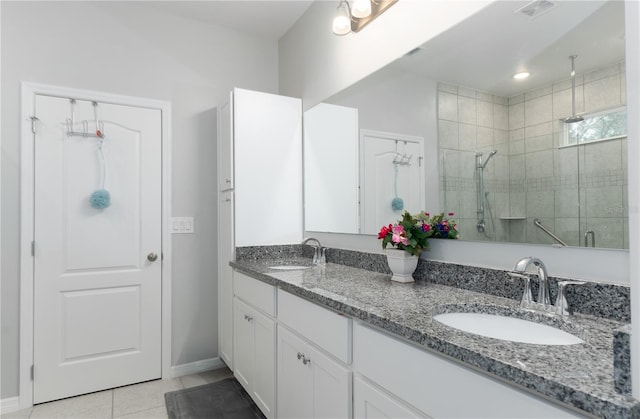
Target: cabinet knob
{"points": [[152, 257], [304, 358], [227, 180], [248, 317]]}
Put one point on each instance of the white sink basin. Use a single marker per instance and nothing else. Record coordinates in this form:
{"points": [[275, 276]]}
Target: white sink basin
{"points": [[507, 328], [288, 267]]}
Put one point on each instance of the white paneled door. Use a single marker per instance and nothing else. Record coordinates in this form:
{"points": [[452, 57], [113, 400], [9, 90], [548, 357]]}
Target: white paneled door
{"points": [[97, 283], [391, 166]]}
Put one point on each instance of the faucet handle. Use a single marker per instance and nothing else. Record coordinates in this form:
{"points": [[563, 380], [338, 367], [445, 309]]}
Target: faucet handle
{"points": [[323, 256], [562, 307], [527, 297]]}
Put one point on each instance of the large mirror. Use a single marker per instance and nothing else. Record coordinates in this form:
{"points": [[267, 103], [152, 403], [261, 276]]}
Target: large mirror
{"points": [[448, 129]]}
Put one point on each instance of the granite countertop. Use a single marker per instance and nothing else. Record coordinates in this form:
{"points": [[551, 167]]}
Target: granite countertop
{"points": [[580, 375]]}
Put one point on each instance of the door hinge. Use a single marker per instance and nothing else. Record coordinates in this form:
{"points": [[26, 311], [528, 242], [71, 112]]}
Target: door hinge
{"points": [[33, 248], [34, 119], [32, 372]]}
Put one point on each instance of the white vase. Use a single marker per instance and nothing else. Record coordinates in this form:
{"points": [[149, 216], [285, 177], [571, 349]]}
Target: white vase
{"points": [[402, 264]]}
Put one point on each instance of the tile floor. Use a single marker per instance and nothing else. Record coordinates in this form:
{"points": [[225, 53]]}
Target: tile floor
{"points": [[139, 401]]}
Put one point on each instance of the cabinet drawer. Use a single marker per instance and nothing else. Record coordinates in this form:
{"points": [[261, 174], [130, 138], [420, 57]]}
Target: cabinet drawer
{"points": [[439, 387], [260, 295], [327, 329]]}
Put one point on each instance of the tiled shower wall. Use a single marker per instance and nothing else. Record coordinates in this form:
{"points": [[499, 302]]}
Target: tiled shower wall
{"points": [[471, 122], [570, 189]]}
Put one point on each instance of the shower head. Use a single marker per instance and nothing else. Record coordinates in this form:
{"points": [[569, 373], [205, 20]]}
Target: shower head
{"points": [[573, 118], [482, 165]]}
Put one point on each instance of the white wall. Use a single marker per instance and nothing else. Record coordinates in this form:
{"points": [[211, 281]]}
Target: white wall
{"points": [[315, 63], [130, 49]]}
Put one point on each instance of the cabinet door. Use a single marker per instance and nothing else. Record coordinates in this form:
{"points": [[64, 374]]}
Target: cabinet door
{"points": [[371, 403], [267, 142], [310, 383], [264, 377], [225, 145], [295, 379], [331, 387], [225, 278], [243, 347]]}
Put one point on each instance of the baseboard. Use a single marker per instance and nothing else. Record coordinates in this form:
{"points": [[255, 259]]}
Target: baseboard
{"points": [[10, 404], [196, 367]]}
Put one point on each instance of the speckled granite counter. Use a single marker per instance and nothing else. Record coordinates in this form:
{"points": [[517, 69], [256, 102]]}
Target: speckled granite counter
{"points": [[580, 375]]}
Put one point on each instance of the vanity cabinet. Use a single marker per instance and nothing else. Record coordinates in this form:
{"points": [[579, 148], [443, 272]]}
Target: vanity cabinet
{"points": [[310, 383], [434, 385], [255, 340]]}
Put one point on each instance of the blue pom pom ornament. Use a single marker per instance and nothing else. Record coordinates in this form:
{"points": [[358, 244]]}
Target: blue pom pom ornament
{"points": [[397, 204], [100, 199]]}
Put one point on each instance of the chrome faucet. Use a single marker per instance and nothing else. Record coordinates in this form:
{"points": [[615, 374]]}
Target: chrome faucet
{"points": [[544, 301], [319, 252], [543, 278]]}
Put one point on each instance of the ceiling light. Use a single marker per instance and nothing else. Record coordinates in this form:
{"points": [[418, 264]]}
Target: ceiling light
{"points": [[342, 19], [521, 76], [352, 19], [361, 8]]}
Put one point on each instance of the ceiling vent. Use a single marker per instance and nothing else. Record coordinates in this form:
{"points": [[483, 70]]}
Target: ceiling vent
{"points": [[535, 8]]}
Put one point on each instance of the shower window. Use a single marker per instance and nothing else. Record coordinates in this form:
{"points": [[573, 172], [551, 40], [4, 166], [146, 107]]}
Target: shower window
{"points": [[601, 126]]}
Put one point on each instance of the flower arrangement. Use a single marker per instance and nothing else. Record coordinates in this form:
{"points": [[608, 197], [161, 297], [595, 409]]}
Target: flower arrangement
{"points": [[412, 232], [441, 227]]}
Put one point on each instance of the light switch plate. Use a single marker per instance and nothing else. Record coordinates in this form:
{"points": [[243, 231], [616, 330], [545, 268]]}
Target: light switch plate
{"points": [[181, 225]]}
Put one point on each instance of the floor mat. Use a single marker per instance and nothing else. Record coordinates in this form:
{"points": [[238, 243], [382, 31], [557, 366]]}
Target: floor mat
{"points": [[224, 399]]}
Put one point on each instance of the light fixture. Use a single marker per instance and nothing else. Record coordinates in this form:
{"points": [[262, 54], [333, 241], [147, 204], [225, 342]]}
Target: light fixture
{"points": [[521, 76], [342, 19], [573, 118], [355, 16], [361, 8]]}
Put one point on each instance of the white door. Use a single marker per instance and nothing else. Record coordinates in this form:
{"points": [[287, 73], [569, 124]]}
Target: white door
{"points": [[295, 379], [243, 347], [391, 166], [264, 374], [97, 287]]}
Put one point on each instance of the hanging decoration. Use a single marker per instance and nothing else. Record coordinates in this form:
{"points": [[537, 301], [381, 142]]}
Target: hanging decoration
{"points": [[100, 198], [397, 203]]}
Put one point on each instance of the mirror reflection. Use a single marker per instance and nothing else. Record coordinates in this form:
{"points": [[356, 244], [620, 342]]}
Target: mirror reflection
{"points": [[537, 160]]}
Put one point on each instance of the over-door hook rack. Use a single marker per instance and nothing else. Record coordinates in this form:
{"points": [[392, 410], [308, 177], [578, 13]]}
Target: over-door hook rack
{"points": [[99, 133], [402, 159]]}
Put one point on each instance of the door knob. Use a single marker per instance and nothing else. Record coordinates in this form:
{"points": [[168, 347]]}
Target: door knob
{"points": [[151, 257]]}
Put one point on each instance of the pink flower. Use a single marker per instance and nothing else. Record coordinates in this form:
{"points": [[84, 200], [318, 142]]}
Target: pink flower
{"points": [[426, 227], [451, 214], [399, 235]]}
